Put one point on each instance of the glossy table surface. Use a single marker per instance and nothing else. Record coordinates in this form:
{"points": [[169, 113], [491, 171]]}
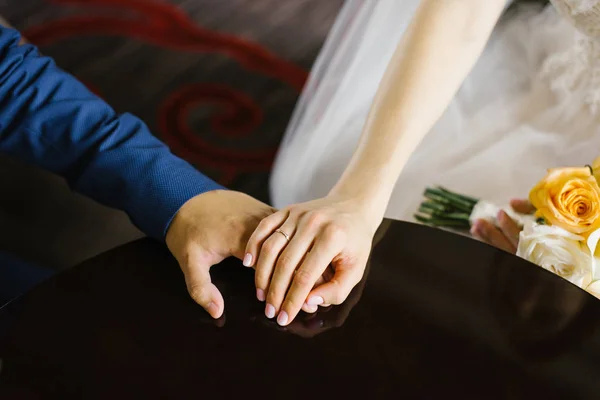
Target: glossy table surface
{"points": [[438, 316]]}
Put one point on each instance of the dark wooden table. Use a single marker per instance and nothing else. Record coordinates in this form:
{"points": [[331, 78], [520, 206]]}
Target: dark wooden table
{"points": [[438, 316]]}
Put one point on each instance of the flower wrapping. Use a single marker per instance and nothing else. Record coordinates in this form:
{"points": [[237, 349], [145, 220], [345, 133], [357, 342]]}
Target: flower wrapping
{"points": [[489, 212]]}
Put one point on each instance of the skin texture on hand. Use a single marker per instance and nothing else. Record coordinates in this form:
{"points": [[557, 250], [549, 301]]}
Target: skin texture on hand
{"points": [[208, 229], [506, 236], [292, 248]]}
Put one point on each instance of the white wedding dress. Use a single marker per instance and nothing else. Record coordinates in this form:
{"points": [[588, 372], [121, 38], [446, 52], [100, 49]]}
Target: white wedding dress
{"points": [[531, 102]]}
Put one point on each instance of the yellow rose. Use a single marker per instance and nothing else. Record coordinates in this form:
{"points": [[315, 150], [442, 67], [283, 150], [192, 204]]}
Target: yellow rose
{"points": [[596, 169], [568, 198]]}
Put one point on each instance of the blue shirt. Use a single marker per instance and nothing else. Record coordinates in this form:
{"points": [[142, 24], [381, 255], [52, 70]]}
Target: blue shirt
{"points": [[49, 119]]}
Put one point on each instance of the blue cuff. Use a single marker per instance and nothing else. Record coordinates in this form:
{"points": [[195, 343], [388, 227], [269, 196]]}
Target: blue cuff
{"points": [[167, 203]]}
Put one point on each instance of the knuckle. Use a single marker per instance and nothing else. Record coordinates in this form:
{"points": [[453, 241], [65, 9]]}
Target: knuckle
{"points": [[293, 211], [292, 305], [198, 294], [303, 278], [260, 278], [314, 218], [285, 262], [334, 232], [263, 224], [269, 246], [275, 296]]}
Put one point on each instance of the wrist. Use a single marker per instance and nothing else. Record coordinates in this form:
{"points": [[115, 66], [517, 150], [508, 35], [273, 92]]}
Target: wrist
{"points": [[197, 208], [371, 205]]}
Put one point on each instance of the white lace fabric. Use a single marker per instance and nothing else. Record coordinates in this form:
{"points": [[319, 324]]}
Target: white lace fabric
{"points": [[577, 69], [584, 14]]}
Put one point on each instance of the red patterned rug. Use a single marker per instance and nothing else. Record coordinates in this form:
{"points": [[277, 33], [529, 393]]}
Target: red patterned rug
{"points": [[215, 79]]}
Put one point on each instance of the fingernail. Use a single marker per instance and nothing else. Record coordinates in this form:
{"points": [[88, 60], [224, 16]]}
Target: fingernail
{"points": [[260, 294], [282, 319], [247, 260], [315, 301], [270, 311], [311, 309]]}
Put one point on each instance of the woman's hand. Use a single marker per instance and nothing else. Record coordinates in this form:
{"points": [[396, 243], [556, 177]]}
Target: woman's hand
{"points": [[292, 248], [505, 237], [311, 325]]}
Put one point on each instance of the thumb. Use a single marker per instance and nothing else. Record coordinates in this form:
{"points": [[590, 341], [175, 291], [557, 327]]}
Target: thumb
{"points": [[310, 309], [336, 290], [201, 288]]}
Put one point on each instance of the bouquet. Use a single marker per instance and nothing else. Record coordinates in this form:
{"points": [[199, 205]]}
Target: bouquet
{"points": [[560, 237]]}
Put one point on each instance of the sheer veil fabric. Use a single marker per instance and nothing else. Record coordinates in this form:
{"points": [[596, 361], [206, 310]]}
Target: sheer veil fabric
{"points": [[525, 107]]}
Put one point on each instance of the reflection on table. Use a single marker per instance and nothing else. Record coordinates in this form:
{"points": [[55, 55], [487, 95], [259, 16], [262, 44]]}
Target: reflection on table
{"points": [[437, 315]]}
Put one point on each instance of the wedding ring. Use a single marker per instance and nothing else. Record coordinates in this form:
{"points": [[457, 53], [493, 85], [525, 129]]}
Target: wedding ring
{"points": [[285, 235]]}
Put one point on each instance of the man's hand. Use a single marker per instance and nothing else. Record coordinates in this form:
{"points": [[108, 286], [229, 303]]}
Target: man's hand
{"points": [[208, 229]]}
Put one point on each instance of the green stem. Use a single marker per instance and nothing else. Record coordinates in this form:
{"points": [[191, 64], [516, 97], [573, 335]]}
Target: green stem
{"points": [[461, 196], [435, 206], [440, 198], [444, 208], [455, 199], [445, 215]]}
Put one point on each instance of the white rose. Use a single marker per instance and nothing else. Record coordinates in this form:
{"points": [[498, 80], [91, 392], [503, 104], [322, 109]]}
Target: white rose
{"points": [[557, 251], [594, 289]]}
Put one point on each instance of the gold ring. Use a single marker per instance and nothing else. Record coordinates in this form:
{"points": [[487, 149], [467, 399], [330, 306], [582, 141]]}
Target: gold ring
{"points": [[285, 235]]}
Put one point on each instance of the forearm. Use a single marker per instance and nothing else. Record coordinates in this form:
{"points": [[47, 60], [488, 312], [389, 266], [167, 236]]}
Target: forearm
{"points": [[49, 119], [441, 45]]}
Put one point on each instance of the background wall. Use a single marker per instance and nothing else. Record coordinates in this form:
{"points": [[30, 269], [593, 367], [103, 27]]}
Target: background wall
{"points": [[216, 79]]}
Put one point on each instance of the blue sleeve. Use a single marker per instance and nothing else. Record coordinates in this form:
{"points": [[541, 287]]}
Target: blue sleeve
{"points": [[51, 120]]}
